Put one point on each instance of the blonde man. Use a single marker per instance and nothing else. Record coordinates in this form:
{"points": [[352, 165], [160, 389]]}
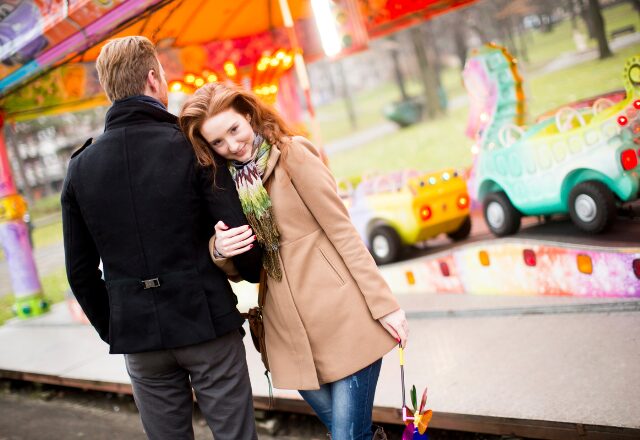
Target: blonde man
{"points": [[137, 200]]}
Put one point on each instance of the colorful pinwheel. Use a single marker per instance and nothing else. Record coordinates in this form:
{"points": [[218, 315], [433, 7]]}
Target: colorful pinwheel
{"points": [[418, 419]]}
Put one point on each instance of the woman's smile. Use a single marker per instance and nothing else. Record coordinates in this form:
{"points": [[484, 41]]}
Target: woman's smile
{"points": [[241, 152]]}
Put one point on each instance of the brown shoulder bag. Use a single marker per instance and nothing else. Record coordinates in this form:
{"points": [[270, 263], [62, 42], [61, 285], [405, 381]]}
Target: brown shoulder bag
{"points": [[256, 324]]}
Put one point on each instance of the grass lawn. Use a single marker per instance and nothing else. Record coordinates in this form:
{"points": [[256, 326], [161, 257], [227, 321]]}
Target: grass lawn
{"points": [[46, 235], [334, 119], [54, 287], [588, 79], [369, 104], [426, 146], [44, 206]]}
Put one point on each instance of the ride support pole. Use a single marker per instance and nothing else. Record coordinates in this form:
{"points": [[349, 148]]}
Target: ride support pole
{"points": [[303, 77], [14, 238]]}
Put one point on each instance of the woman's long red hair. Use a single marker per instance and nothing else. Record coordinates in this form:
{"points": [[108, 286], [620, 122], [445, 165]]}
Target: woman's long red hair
{"points": [[212, 99]]}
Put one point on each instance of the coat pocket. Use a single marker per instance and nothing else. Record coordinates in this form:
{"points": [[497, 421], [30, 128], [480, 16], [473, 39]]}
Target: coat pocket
{"points": [[331, 267]]}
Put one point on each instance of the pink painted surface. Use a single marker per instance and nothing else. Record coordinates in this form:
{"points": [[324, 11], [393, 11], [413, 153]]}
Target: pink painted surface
{"points": [[431, 270], [555, 273], [15, 242], [7, 185]]}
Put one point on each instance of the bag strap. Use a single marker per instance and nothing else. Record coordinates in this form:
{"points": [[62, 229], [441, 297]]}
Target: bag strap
{"points": [[262, 288]]}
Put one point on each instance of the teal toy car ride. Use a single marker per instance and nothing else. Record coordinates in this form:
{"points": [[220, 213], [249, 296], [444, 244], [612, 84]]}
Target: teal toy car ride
{"points": [[581, 162]]}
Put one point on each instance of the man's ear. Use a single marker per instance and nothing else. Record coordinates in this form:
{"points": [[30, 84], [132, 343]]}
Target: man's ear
{"points": [[152, 81]]}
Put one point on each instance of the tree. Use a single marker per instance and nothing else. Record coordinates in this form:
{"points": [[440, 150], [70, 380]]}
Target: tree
{"points": [[510, 17], [584, 13], [428, 72], [597, 23], [460, 40], [545, 13], [346, 95], [11, 145], [395, 55], [570, 6]]}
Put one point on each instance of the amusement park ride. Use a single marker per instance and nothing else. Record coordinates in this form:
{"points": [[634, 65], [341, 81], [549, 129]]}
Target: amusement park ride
{"points": [[585, 165], [396, 210], [583, 162], [580, 160]]}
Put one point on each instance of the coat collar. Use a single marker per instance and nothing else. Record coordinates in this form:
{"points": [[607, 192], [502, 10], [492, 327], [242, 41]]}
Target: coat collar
{"points": [[133, 112], [274, 155]]}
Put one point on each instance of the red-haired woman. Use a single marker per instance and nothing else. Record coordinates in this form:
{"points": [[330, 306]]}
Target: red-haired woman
{"points": [[329, 316]]}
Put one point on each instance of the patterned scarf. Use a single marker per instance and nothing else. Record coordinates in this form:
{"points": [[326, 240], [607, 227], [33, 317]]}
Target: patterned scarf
{"points": [[256, 203]]}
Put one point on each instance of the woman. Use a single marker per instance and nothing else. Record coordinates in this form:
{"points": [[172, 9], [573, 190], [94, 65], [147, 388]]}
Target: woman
{"points": [[329, 316]]}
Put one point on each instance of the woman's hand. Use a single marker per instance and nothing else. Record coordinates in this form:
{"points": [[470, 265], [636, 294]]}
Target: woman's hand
{"points": [[234, 241], [397, 326]]}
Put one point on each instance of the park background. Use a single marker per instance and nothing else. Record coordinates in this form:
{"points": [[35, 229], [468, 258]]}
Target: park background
{"points": [[559, 61]]}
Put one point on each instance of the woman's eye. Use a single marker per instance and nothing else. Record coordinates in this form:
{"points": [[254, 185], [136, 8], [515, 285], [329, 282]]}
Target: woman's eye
{"points": [[234, 129]]}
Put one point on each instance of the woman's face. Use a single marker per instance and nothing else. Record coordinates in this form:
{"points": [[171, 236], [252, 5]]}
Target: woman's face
{"points": [[230, 135]]}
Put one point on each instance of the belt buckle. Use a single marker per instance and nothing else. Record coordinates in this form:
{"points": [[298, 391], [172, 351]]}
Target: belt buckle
{"points": [[150, 284]]}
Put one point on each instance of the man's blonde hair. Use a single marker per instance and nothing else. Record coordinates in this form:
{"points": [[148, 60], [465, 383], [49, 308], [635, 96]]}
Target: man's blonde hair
{"points": [[123, 66]]}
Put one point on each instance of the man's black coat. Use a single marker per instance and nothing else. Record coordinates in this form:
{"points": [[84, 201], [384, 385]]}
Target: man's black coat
{"points": [[137, 199]]}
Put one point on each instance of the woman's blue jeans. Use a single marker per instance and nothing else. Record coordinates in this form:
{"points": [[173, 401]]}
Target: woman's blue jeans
{"points": [[345, 406]]}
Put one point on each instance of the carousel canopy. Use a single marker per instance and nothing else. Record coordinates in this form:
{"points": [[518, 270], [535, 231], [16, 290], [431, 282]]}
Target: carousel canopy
{"points": [[47, 46], [36, 35]]}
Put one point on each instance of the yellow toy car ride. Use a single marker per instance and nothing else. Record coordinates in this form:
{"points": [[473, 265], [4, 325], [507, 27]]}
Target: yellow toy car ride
{"points": [[404, 208]]}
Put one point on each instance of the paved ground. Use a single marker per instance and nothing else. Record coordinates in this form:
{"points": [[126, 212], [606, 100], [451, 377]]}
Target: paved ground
{"points": [[43, 413], [29, 412]]}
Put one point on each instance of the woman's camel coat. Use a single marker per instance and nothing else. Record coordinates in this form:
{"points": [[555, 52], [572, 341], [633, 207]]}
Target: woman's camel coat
{"points": [[321, 318]]}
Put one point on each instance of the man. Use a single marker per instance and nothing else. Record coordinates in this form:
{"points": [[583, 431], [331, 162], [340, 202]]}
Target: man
{"points": [[137, 200]]}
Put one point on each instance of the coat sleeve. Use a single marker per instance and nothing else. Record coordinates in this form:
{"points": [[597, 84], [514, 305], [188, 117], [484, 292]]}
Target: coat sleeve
{"points": [[223, 203], [223, 263], [82, 263], [317, 188]]}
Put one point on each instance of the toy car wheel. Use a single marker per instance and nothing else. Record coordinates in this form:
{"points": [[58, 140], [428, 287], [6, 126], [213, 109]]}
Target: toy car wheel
{"points": [[592, 206], [462, 232], [385, 244], [501, 216]]}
